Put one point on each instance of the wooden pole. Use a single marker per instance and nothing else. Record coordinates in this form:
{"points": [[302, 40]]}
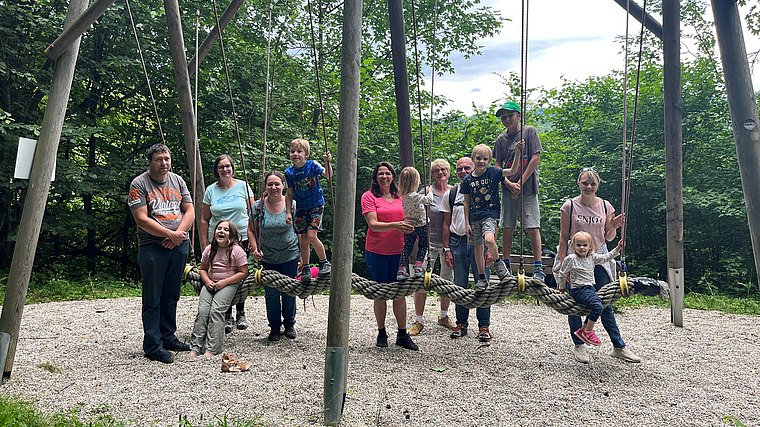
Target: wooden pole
{"points": [[39, 187], [187, 113], [75, 31], [401, 81], [336, 354], [741, 104], [636, 11], [673, 105], [213, 36]]}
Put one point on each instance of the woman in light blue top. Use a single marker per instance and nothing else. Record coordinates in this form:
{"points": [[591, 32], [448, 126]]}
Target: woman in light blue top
{"points": [[227, 199], [275, 245]]}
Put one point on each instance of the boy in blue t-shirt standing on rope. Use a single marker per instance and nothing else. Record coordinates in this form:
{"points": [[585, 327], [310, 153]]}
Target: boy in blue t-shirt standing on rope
{"points": [[481, 208], [304, 188]]}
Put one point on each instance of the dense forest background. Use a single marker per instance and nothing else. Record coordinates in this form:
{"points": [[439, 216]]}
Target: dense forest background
{"points": [[88, 230]]}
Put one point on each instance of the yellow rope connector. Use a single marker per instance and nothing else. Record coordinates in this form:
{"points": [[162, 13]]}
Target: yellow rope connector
{"points": [[257, 276], [521, 280], [188, 267], [426, 281], [623, 279]]}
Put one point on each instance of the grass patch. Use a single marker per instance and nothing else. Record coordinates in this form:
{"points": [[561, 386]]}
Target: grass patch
{"points": [[726, 304], [62, 289], [16, 412]]}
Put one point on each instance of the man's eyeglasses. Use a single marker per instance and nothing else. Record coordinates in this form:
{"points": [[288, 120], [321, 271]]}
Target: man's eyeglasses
{"points": [[464, 168]]}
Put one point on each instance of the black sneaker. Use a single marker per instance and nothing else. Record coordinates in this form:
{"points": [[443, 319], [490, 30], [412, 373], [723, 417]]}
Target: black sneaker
{"points": [[406, 342], [290, 332], [160, 355], [382, 338], [274, 335], [459, 331], [176, 345]]}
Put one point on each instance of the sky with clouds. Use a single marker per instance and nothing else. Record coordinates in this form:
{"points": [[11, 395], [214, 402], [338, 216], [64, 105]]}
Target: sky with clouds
{"points": [[571, 41]]}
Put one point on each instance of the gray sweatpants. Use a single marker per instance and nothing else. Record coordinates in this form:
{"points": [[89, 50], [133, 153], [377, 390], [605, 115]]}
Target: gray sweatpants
{"points": [[208, 332]]}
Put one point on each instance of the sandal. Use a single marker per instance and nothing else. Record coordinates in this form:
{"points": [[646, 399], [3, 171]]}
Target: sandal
{"points": [[231, 364]]}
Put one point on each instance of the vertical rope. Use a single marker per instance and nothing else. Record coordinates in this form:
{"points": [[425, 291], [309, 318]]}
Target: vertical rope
{"points": [[232, 107], [523, 102], [432, 85], [425, 168], [145, 72], [317, 55], [633, 132], [195, 113], [267, 90], [623, 173]]}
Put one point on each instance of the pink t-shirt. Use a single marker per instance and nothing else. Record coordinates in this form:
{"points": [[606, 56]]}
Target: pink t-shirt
{"points": [[221, 267], [383, 242], [591, 219]]}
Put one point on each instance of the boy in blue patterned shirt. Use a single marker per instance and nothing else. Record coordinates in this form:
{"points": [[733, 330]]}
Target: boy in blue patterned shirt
{"points": [[482, 208], [304, 188]]}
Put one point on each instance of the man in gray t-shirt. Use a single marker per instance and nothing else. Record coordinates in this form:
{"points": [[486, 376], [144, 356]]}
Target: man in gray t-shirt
{"points": [[163, 210], [519, 191]]}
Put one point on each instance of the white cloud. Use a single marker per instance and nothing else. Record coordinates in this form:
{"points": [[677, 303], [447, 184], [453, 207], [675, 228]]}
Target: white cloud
{"points": [[566, 39]]}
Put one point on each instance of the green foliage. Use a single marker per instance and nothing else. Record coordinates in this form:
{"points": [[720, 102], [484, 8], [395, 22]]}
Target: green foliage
{"points": [[88, 232]]}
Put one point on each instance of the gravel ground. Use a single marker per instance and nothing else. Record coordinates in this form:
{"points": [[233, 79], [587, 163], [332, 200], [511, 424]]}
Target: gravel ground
{"points": [[87, 355]]}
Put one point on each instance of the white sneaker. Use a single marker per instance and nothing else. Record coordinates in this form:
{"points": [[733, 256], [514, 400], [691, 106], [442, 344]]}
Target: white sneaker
{"points": [[625, 354], [581, 354]]}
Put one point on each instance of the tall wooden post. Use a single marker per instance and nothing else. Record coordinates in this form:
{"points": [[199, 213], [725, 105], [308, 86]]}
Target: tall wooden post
{"points": [[39, 187], [336, 354], [189, 123], [671, 24], [401, 81], [744, 119]]}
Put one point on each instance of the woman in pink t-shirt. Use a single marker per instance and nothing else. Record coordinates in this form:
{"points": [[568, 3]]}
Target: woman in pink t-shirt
{"points": [[384, 213], [596, 216]]}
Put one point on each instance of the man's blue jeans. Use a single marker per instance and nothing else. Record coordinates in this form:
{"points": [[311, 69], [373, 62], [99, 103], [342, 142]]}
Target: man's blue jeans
{"points": [[161, 271], [608, 316], [281, 307], [464, 261]]}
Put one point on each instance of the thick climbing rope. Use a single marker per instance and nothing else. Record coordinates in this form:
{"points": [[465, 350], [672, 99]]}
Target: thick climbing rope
{"points": [[561, 302]]}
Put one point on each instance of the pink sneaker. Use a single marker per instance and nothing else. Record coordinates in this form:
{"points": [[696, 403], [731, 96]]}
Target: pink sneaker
{"points": [[589, 337]]}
